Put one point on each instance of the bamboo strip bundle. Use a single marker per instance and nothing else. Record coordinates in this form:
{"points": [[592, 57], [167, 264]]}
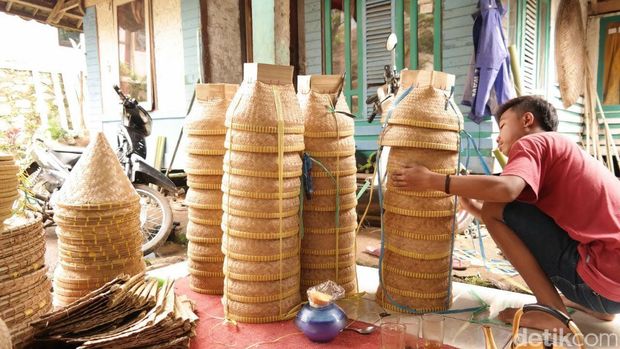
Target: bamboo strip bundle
{"points": [[330, 218], [126, 312], [261, 189], [423, 128], [98, 217], [206, 132]]}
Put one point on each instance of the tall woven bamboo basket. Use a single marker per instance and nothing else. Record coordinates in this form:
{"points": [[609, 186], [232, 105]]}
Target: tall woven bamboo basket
{"points": [[98, 217], [423, 128], [328, 244], [8, 185], [206, 132], [25, 290], [261, 189]]}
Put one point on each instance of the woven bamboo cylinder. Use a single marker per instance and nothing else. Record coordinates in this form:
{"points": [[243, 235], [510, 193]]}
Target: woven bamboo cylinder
{"points": [[98, 217], [261, 189], [8, 185], [424, 129], [330, 219], [205, 159], [24, 287]]}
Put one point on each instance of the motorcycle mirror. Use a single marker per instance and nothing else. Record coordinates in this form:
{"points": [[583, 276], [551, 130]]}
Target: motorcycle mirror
{"points": [[391, 42]]}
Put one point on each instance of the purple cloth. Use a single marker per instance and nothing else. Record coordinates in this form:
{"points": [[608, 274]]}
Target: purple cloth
{"points": [[491, 70]]}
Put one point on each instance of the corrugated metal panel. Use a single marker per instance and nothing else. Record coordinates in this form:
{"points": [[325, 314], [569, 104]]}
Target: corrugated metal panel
{"points": [[377, 28], [190, 24], [312, 30], [93, 73], [457, 50]]}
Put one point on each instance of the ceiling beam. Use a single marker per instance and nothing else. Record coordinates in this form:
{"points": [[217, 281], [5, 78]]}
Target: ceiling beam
{"points": [[602, 7], [40, 7], [43, 18], [8, 6]]}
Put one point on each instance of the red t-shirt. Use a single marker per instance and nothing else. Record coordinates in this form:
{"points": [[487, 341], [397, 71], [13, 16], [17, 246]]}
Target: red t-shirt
{"points": [[583, 198]]}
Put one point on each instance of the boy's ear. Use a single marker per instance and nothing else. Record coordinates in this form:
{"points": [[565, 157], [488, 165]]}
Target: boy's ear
{"points": [[528, 119]]}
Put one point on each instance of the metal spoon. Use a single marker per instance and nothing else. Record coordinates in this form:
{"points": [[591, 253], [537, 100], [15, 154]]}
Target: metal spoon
{"points": [[366, 330]]}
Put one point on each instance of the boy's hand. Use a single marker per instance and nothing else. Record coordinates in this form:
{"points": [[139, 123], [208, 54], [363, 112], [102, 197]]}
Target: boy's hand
{"points": [[412, 177]]}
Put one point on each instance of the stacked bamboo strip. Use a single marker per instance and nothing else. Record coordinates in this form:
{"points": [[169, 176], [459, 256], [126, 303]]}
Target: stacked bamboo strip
{"points": [[330, 218], [424, 129], [98, 217], [8, 185], [134, 312], [261, 189], [205, 155], [25, 290]]}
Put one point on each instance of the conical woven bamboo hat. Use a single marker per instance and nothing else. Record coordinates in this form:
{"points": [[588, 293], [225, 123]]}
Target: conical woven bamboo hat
{"points": [[423, 138], [570, 51], [97, 178], [436, 160], [316, 94], [254, 106], [427, 107], [209, 111]]}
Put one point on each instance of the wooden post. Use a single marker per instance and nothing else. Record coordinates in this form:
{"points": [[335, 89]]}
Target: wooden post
{"points": [[60, 102], [40, 102]]}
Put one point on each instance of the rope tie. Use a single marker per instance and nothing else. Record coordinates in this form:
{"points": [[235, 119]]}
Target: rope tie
{"points": [[280, 184]]}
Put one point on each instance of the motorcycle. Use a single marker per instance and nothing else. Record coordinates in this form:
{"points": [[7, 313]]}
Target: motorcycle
{"points": [[381, 103], [49, 168]]}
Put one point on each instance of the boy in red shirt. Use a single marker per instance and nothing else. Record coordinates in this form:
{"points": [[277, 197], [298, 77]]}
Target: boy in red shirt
{"points": [[554, 212]]}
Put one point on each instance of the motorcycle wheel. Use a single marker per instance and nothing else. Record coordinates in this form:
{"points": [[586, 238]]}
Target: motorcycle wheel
{"points": [[155, 218]]}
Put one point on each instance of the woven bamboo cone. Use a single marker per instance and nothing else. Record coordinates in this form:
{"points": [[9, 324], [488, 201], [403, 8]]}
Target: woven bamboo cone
{"points": [[418, 226], [98, 225], [205, 148], [261, 189], [329, 215], [8, 185]]}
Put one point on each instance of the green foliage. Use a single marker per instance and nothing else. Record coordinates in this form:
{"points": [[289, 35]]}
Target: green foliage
{"points": [[56, 131]]}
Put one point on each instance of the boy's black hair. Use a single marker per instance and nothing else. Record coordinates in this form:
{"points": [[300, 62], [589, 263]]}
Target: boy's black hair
{"points": [[543, 111]]}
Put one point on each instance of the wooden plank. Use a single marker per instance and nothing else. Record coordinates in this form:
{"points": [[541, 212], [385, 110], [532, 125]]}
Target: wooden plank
{"points": [[603, 7], [72, 92]]}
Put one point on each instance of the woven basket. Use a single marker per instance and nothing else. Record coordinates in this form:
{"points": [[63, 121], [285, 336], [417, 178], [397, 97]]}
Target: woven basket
{"points": [[333, 165], [411, 205], [258, 247], [204, 199], [325, 185], [256, 313], [260, 188], [204, 250], [205, 165], [97, 178], [204, 182], [199, 231], [261, 165], [346, 277], [196, 267], [207, 285], [205, 217], [322, 262], [246, 226], [346, 240], [328, 203], [330, 147], [438, 160], [317, 221], [253, 142], [287, 207], [412, 137], [316, 94], [209, 109], [205, 145]]}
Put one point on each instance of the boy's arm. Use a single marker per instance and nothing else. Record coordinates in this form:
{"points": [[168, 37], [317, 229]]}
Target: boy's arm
{"points": [[486, 188]]}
